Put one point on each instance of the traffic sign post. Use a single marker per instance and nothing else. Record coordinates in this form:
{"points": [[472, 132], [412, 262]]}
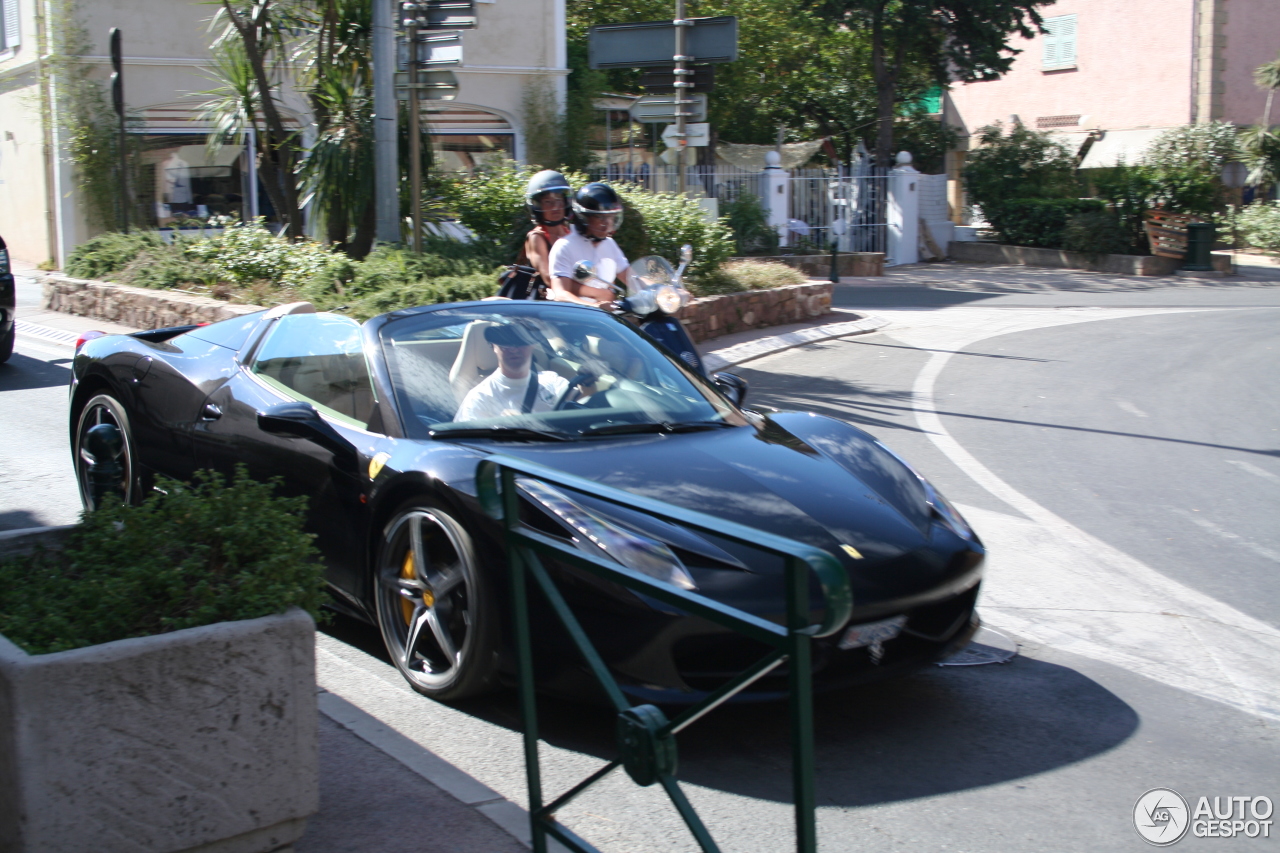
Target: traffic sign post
{"points": [[664, 79], [662, 109], [117, 101], [696, 135]]}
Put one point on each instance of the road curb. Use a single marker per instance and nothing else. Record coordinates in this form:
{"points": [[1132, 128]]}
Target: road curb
{"points": [[748, 350]]}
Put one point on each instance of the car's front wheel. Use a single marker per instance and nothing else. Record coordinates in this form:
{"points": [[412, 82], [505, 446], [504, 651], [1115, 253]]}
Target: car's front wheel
{"points": [[435, 606], [90, 454], [6, 344]]}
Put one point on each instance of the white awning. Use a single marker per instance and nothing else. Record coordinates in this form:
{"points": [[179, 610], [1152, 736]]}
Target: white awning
{"points": [[1118, 145]]}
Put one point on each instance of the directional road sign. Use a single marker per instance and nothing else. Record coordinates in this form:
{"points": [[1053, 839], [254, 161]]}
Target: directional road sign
{"points": [[697, 134], [432, 85], [653, 43], [663, 79], [449, 14], [661, 109], [435, 50]]}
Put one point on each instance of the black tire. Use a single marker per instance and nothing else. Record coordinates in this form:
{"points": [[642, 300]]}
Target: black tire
{"points": [[431, 594], [104, 408], [6, 344]]}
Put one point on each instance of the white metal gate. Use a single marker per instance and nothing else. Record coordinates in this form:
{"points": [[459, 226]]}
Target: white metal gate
{"points": [[821, 198]]}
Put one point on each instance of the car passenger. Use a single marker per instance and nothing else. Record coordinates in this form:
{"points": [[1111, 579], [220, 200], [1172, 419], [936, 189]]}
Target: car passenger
{"points": [[509, 389], [597, 213]]}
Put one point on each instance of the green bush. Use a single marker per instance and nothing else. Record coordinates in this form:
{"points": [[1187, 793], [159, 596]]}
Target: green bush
{"points": [[671, 220], [1258, 225], [207, 552], [108, 253], [1039, 222], [165, 267], [407, 295], [1098, 232], [1127, 191], [1022, 164], [748, 219], [739, 276], [491, 201], [247, 251]]}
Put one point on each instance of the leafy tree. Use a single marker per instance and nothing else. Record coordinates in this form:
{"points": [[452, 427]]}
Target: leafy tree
{"points": [[960, 39], [1267, 76]]}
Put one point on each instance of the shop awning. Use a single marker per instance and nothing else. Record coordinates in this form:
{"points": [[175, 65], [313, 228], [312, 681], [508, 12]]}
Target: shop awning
{"points": [[1116, 146]]}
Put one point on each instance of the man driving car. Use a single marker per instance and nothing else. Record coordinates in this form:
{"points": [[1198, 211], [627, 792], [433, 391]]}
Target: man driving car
{"points": [[514, 388]]}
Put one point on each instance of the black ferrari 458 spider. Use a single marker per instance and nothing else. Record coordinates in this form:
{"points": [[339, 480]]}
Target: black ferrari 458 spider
{"points": [[382, 426]]}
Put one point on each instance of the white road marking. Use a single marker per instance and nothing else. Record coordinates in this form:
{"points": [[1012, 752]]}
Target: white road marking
{"points": [[1053, 583], [1223, 533], [1125, 405], [1254, 469]]}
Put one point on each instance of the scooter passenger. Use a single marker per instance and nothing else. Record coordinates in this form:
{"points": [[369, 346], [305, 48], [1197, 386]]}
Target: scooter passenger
{"points": [[597, 213], [547, 199]]}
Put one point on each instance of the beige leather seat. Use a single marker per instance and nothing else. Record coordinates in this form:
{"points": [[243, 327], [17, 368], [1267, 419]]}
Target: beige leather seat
{"points": [[475, 360]]}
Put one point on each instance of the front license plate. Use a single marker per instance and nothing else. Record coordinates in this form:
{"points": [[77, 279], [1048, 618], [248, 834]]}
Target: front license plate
{"points": [[872, 633]]}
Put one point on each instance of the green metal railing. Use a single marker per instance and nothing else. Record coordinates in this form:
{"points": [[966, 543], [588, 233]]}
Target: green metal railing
{"points": [[646, 738]]}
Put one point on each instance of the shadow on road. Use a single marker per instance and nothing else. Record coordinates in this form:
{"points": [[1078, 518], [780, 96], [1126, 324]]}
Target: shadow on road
{"points": [[22, 373], [941, 730]]}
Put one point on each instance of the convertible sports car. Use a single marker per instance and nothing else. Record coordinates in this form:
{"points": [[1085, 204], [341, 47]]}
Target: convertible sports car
{"points": [[383, 424]]}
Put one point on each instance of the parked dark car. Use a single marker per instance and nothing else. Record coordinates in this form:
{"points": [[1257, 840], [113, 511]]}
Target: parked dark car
{"points": [[8, 303], [361, 419]]}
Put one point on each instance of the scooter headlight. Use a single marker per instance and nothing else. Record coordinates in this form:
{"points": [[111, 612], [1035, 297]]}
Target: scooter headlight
{"points": [[643, 302], [668, 299]]}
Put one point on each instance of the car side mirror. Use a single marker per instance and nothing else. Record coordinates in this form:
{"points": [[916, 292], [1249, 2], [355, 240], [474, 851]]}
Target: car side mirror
{"points": [[732, 386], [301, 420], [584, 270]]}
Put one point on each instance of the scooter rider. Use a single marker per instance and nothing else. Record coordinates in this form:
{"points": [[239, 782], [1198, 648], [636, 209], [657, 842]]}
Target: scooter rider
{"points": [[547, 198], [597, 213]]}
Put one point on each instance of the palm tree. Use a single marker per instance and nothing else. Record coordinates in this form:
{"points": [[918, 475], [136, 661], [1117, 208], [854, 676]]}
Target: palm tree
{"points": [[1267, 76]]}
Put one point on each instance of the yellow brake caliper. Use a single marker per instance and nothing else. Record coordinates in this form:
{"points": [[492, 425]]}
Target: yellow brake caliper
{"points": [[406, 606]]}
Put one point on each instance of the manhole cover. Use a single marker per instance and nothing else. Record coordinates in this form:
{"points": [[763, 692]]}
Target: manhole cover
{"points": [[988, 646]]}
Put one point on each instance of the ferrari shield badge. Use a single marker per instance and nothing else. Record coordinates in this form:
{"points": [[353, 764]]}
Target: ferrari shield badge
{"points": [[376, 463]]}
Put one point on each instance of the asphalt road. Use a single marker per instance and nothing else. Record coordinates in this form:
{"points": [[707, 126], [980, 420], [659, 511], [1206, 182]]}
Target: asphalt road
{"points": [[1116, 448]]}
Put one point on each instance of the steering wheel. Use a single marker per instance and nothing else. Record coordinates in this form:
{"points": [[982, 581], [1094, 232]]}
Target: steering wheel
{"points": [[574, 384]]}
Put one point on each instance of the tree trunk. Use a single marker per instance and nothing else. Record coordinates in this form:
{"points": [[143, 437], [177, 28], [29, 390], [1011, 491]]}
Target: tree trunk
{"points": [[278, 159], [886, 78], [366, 228]]}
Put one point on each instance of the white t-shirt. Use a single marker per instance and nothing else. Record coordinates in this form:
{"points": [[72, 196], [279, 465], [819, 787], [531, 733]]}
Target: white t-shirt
{"points": [[498, 395], [571, 249]]}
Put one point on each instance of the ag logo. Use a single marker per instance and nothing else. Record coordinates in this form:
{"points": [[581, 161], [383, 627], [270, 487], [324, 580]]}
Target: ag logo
{"points": [[1161, 816]]}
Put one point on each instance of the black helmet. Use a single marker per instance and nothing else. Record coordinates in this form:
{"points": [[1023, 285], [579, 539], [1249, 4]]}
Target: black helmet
{"points": [[593, 199], [546, 181]]}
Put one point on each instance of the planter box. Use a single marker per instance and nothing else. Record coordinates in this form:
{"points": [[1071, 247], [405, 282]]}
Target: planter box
{"points": [[134, 306], [998, 253], [198, 740], [712, 316]]}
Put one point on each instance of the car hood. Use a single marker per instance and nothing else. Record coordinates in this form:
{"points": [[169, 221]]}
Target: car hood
{"points": [[770, 478]]}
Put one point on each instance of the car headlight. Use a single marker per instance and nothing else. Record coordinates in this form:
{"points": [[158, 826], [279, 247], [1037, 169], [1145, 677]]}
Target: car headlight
{"points": [[669, 301], [946, 513], [634, 550]]}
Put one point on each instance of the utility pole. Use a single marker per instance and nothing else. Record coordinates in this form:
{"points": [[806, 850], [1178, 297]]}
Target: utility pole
{"points": [[117, 101], [681, 86], [411, 23], [386, 170]]}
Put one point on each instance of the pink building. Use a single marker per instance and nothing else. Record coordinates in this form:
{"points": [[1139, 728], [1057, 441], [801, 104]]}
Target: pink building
{"points": [[1123, 71]]}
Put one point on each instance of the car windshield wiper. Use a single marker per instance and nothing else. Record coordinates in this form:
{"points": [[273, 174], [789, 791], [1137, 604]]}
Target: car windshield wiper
{"points": [[500, 432], [653, 426]]}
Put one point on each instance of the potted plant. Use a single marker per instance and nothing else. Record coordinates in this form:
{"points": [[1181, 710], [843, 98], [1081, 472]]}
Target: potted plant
{"points": [[157, 676]]}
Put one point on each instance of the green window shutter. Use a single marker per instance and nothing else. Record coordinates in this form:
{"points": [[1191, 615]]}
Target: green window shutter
{"points": [[1059, 42]]}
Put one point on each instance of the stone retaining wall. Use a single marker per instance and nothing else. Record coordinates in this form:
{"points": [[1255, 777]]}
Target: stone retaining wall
{"points": [[713, 316], [135, 306], [705, 318], [998, 253]]}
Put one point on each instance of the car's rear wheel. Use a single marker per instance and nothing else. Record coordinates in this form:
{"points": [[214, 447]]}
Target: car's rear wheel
{"points": [[104, 409], [6, 344], [435, 606]]}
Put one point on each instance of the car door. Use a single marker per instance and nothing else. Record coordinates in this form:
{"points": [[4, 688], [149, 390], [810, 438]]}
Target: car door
{"points": [[316, 359]]}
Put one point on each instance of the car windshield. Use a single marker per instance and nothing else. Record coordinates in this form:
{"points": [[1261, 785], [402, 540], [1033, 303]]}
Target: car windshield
{"points": [[540, 372]]}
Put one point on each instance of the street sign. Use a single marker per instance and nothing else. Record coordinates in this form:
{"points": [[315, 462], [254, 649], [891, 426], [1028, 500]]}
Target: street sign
{"points": [[435, 50], [659, 79], [448, 14], [696, 135], [653, 43], [432, 85], [661, 109]]}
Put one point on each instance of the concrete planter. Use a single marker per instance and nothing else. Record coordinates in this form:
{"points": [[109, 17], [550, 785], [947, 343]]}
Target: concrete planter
{"points": [[198, 740], [998, 253], [712, 316]]}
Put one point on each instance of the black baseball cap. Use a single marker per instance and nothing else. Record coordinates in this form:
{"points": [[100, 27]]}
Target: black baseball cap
{"points": [[511, 335]]}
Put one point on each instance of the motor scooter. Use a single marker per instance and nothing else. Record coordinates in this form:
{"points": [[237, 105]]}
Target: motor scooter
{"points": [[655, 294]]}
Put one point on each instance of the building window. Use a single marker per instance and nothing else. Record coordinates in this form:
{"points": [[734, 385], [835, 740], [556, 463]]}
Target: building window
{"points": [[1059, 43], [10, 33]]}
